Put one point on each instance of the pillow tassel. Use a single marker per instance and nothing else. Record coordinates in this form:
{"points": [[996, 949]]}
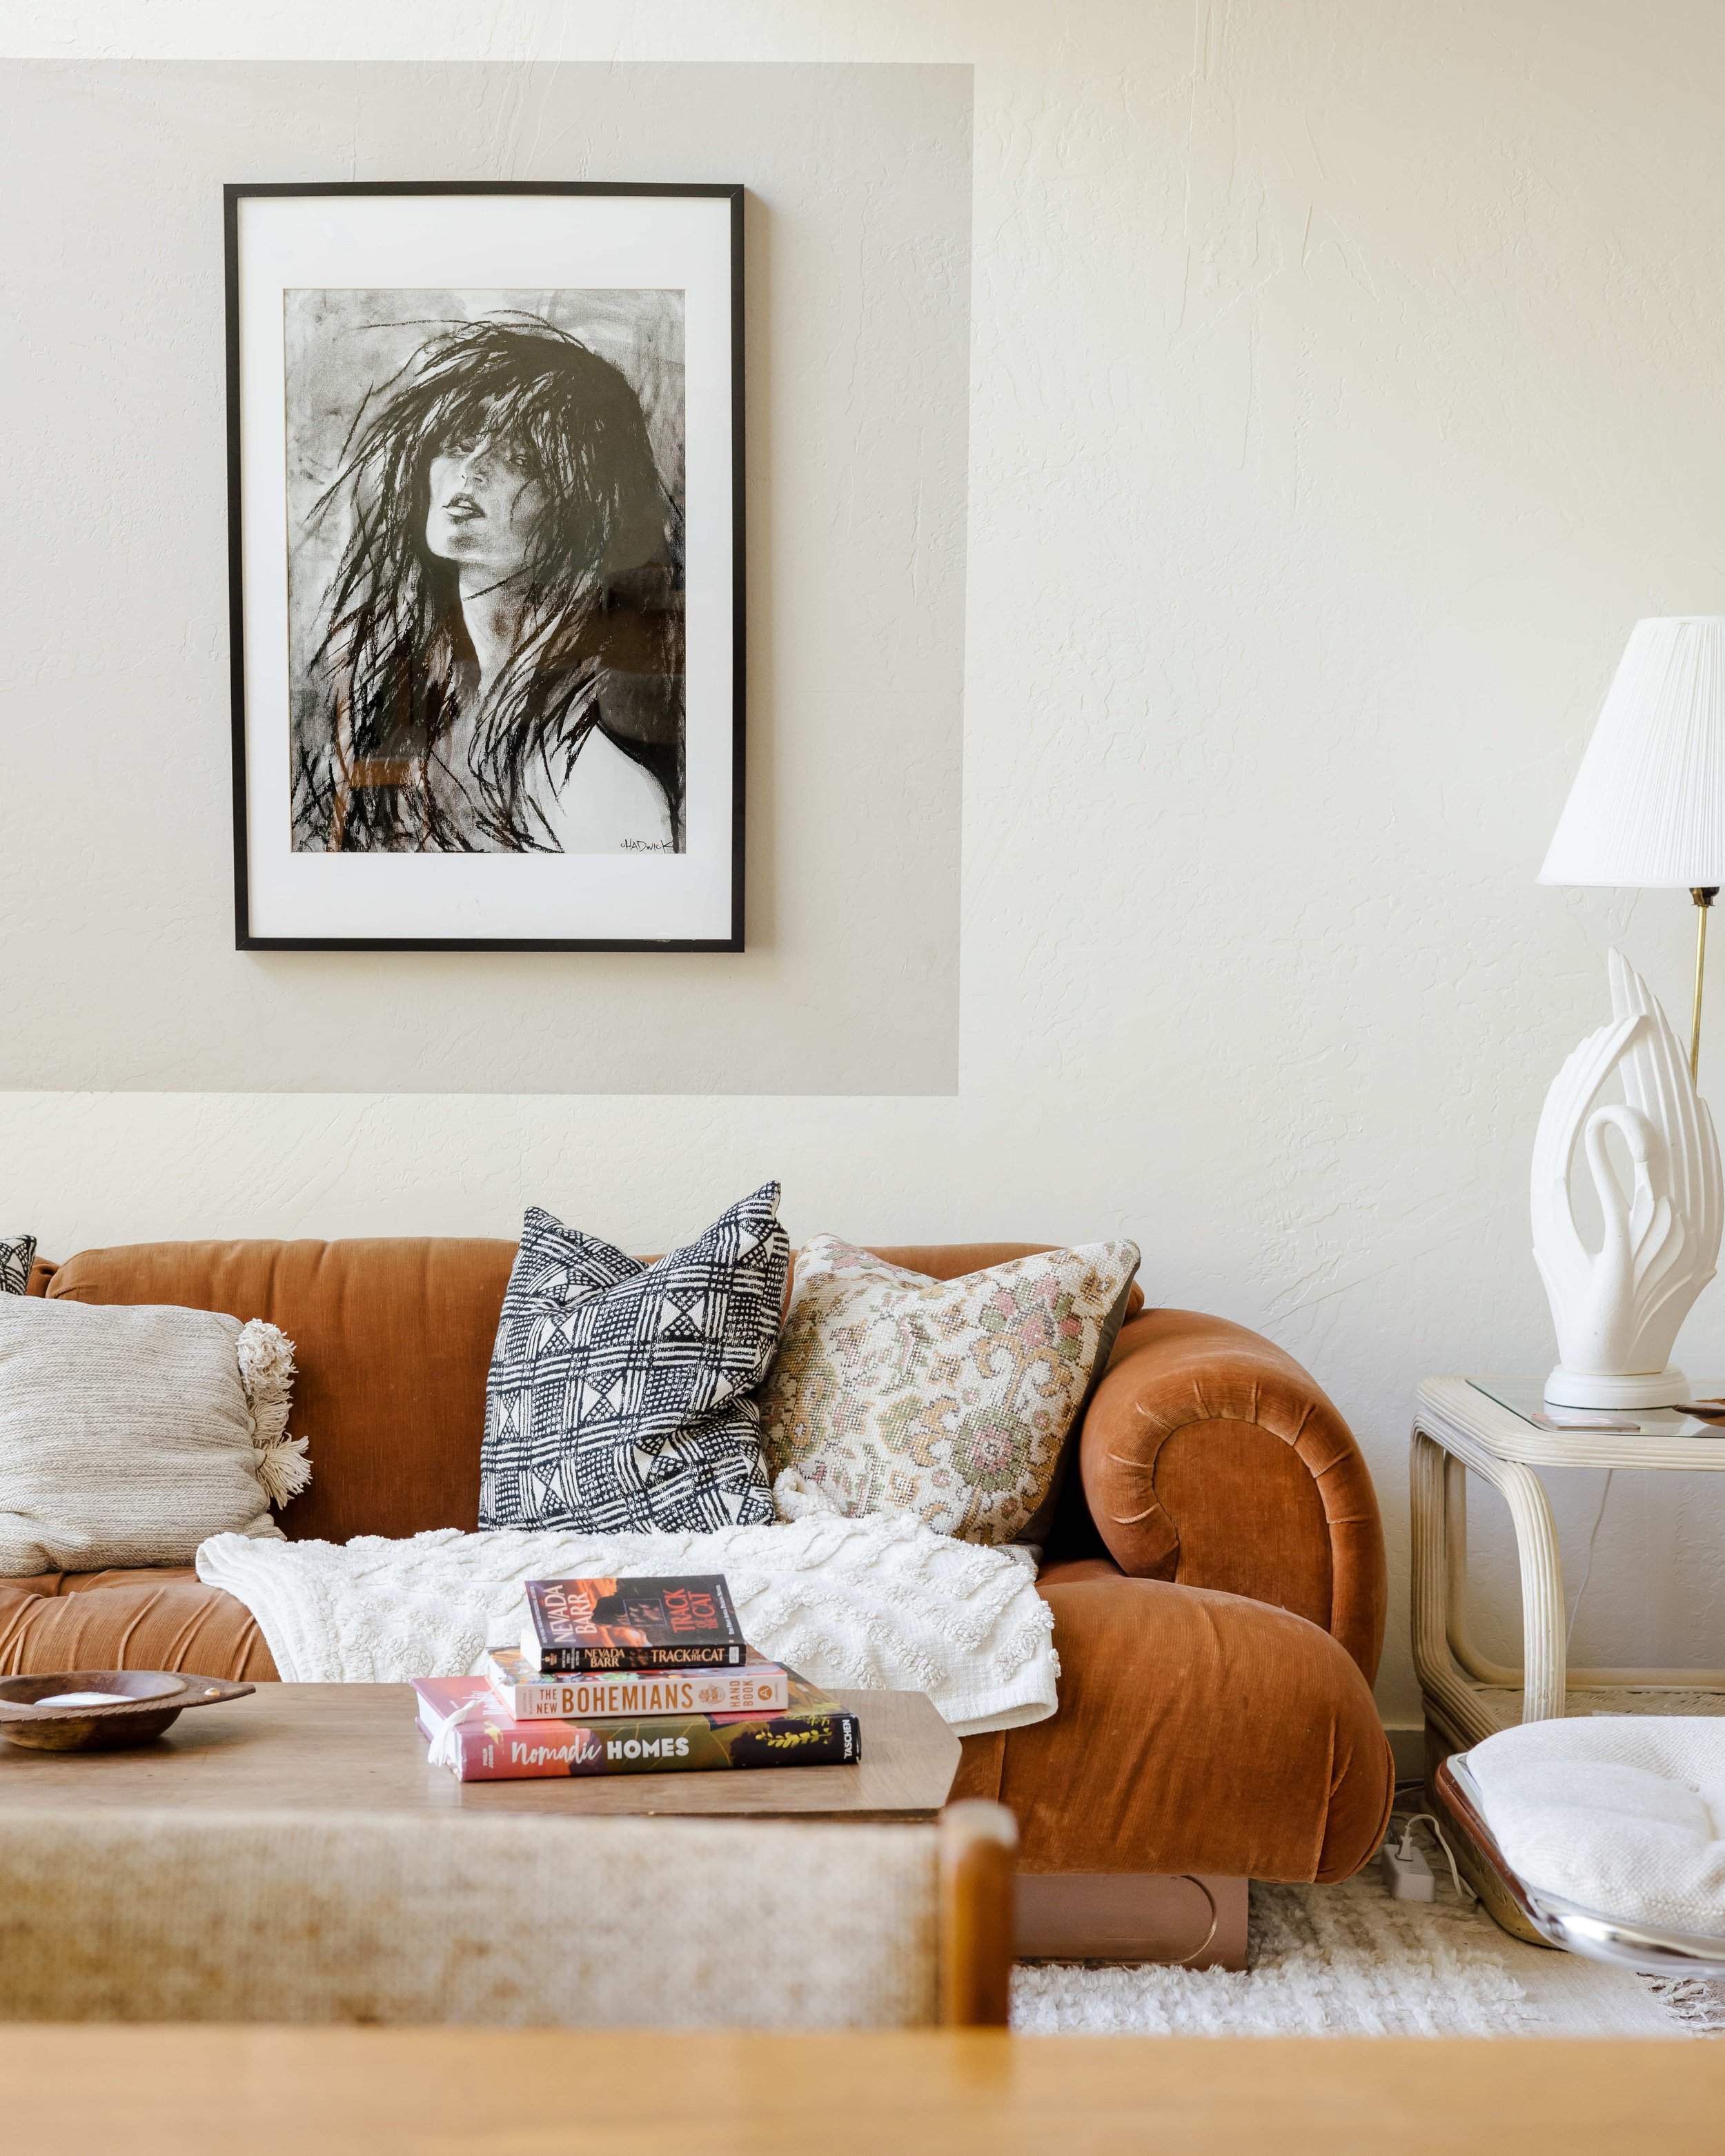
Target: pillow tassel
{"points": [[284, 1469], [266, 1370]]}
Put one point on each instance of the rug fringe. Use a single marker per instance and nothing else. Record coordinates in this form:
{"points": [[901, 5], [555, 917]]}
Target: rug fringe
{"points": [[1698, 2002]]}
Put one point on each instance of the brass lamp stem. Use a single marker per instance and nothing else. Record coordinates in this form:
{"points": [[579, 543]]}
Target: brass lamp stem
{"points": [[1703, 895]]}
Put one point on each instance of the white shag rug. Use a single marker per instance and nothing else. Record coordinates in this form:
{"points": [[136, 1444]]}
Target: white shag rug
{"points": [[1349, 1961]]}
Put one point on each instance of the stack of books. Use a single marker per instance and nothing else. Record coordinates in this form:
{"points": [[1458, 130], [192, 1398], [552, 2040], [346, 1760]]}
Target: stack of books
{"points": [[630, 1676]]}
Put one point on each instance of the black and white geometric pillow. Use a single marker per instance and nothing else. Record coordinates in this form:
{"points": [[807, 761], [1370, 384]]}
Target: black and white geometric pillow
{"points": [[618, 1393], [18, 1254]]}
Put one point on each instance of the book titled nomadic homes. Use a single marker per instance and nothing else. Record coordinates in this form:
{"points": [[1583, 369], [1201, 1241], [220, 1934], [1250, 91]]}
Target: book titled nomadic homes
{"points": [[576, 1627], [472, 1735]]}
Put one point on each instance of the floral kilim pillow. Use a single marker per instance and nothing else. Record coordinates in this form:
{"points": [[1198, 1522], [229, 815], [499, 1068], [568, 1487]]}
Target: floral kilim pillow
{"points": [[952, 1399]]}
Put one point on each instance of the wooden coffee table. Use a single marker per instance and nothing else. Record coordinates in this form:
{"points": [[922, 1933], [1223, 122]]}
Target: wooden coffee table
{"points": [[358, 1747]]}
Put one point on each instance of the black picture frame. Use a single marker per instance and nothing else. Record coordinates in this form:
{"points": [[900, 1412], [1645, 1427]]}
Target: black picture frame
{"points": [[245, 939]]}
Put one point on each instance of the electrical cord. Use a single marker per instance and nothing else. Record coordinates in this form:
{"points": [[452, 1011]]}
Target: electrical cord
{"points": [[1587, 1569], [1405, 1850]]}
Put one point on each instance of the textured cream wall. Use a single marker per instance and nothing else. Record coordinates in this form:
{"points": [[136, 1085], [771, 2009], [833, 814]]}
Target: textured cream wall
{"points": [[1346, 379]]}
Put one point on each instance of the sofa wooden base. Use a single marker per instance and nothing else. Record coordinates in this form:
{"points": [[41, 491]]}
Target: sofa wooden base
{"points": [[1194, 1919]]}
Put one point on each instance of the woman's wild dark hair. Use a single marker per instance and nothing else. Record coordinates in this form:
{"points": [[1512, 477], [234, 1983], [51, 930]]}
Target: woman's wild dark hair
{"points": [[396, 662]]}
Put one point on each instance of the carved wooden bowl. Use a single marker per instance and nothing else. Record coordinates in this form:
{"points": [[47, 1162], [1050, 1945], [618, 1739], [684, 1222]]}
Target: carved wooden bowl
{"points": [[148, 1701]]}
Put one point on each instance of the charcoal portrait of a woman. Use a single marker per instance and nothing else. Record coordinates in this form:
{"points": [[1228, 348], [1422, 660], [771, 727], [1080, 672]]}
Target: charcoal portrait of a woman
{"points": [[497, 664]]}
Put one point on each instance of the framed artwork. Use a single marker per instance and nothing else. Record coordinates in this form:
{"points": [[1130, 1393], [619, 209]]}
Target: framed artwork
{"points": [[485, 518]]}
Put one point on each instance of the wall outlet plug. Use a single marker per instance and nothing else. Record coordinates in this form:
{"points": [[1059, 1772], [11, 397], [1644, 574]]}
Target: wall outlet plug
{"points": [[1406, 1873]]}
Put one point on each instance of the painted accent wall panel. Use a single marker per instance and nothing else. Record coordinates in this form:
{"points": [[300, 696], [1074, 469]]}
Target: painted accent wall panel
{"points": [[113, 742]]}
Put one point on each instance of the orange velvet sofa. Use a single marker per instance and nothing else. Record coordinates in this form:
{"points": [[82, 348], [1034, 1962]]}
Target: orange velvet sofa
{"points": [[1216, 1572]]}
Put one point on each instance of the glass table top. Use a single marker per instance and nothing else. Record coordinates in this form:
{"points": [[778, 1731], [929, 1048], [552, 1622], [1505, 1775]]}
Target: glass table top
{"points": [[1526, 1397]]}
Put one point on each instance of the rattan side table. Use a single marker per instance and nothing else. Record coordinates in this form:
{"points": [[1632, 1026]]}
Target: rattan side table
{"points": [[1462, 1423]]}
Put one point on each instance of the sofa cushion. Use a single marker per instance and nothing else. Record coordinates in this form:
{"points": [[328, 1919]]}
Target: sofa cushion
{"points": [[161, 1618], [1197, 1731], [620, 1398]]}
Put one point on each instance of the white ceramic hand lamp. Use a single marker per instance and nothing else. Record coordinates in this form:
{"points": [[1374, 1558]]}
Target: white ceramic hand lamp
{"points": [[1617, 1309], [1646, 811]]}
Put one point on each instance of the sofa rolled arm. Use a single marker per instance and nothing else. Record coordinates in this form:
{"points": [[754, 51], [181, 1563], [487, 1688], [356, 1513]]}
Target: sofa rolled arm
{"points": [[1208, 1457]]}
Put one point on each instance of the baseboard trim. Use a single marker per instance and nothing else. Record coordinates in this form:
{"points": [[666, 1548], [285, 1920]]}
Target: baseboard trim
{"points": [[1407, 1747]]}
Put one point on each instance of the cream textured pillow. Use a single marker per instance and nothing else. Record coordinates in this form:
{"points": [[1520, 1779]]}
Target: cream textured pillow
{"points": [[131, 1432], [952, 1399]]}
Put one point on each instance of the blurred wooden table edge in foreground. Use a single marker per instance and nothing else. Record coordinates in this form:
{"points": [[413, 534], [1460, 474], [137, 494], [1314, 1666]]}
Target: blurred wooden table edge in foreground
{"points": [[154, 2091]]}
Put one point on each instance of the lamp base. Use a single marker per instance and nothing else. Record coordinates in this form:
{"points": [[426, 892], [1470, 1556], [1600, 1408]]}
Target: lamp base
{"points": [[1596, 1389]]}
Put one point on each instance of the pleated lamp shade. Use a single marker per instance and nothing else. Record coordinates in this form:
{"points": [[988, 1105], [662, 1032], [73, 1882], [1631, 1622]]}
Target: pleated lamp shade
{"points": [[1647, 809]]}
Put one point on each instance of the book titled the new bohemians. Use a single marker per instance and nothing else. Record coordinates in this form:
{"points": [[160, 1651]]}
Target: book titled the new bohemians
{"points": [[578, 1625], [758, 1687], [490, 1746]]}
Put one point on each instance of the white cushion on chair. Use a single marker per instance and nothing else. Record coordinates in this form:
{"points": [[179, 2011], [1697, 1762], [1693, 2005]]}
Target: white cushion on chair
{"points": [[1624, 1814]]}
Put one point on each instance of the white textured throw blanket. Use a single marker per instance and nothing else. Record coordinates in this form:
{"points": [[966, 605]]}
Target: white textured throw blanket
{"points": [[878, 1604], [1622, 1813]]}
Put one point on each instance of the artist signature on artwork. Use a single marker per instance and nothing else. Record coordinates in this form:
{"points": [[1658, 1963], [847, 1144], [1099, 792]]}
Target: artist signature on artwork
{"points": [[644, 846]]}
